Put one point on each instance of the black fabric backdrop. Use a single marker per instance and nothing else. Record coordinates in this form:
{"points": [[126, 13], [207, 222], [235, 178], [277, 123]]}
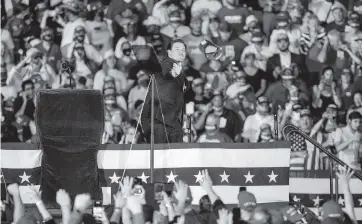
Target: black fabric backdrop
{"points": [[70, 124]]}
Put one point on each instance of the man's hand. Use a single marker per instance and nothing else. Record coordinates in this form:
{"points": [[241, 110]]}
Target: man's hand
{"points": [[13, 189], [63, 198], [181, 191], [119, 200], [206, 182], [225, 217], [176, 69], [34, 193], [126, 186], [134, 204], [82, 202]]}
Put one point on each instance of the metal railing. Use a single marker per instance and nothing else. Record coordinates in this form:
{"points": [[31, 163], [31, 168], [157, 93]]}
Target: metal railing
{"points": [[289, 129]]}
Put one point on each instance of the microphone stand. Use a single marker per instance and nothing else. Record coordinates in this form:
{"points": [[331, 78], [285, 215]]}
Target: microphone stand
{"points": [[152, 156]]}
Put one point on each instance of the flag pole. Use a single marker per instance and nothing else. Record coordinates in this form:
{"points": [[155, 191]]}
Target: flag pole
{"points": [[152, 159]]}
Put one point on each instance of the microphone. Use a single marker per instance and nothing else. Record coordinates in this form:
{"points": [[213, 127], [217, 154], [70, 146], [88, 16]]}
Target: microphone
{"points": [[276, 126]]}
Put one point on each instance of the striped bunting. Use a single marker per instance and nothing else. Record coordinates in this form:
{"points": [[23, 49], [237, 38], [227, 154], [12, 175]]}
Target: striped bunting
{"points": [[263, 168], [312, 187], [308, 187]]}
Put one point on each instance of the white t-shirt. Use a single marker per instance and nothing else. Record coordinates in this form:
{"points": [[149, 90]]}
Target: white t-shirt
{"points": [[253, 123]]}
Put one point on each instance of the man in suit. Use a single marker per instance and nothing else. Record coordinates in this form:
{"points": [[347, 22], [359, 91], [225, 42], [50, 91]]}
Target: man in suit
{"points": [[285, 59], [170, 85]]}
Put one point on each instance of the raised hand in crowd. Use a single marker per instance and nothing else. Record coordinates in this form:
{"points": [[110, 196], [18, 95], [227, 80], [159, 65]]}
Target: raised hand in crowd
{"points": [[225, 217], [81, 203], [126, 186], [119, 204], [19, 209], [35, 194], [344, 175], [63, 200], [206, 184], [181, 195]]}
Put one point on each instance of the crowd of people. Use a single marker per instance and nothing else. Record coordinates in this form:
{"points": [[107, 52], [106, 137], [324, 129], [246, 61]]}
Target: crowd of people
{"points": [[283, 62], [175, 207]]}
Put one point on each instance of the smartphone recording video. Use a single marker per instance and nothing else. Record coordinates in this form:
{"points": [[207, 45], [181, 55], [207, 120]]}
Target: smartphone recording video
{"points": [[98, 209]]}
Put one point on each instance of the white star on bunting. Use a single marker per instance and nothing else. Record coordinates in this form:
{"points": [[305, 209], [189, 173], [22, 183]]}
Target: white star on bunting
{"points": [[272, 177], [341, 201], [296, 199], [249, 177], [360, 202], [144, 177], [114, 178], [224, 177], [171, 177], [25, 177], [199, 177], [317, 201]]}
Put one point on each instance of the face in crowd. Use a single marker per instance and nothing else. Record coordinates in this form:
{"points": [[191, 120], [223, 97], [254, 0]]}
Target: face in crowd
{"points": [[177, 51]]}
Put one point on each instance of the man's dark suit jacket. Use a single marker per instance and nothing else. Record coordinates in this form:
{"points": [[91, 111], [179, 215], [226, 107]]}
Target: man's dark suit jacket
{"points": [[169, 96], [274, 61]]}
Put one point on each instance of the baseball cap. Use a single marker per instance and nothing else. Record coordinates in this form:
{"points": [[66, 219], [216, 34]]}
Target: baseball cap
{"points": [[305, 112], [257, 36], [141, 75], [287, 73], [330, 220], [225, 27], [197, 81], [174, 16], [354, 19], [291, 214], [109, 53], [332, 106], [332, 210], [263, 99], [265, 127], [247, 201], [354, 115], [282, 19], [73, 6], [346, 71]]}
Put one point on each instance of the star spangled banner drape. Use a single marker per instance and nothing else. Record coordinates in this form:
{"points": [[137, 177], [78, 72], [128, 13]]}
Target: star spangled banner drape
{"points": [[262, 168]]}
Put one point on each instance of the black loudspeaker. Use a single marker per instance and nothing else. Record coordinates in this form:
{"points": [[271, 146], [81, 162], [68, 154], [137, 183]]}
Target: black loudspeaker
{"points": [[70, 124]]}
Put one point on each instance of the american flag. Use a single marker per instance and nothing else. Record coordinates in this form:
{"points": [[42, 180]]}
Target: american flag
{"points": [[262, 168]]}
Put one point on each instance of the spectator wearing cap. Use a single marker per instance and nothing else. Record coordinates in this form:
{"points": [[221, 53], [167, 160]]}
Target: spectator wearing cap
{"points": [[246, 206], [357, 103], [254, 122], [50, 49], [347, 141], [229, 122], [198, 8], [339, 19], [277, 92], [100, 33], [252, 25], [283, 23], [154, 37], [117, 7], [234, 14], [339, 54], [323, 9], [138, 92], [265, 133], [230, 41], [72, 10], [175, 28], [352, 27], [330, 210], [259, 47], [285, 59], [32, 64], [109, 69], [212, 132], [16, 25], [79, 42], [193, 41], [214, 72]]}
